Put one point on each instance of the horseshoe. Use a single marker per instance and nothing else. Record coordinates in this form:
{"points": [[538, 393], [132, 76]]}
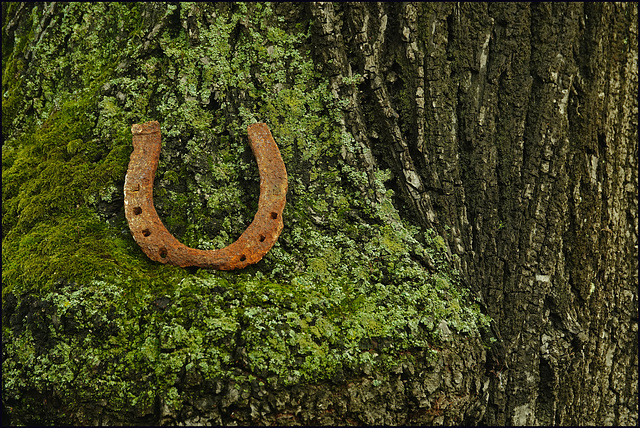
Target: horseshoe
{"points": [[160, 245]]}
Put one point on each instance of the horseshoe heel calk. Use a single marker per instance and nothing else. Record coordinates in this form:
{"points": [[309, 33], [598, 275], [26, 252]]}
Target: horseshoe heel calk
{"points": [[161, 246]]}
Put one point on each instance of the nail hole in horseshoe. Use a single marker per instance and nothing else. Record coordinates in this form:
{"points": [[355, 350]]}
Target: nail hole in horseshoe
{"points": [[146, 232], [274, 215], [137, 210], [163, 252], [243, 258], [262, 238]]}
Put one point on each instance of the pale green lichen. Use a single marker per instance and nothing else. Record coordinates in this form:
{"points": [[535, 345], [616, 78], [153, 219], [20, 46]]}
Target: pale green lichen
{"points": [[342, 289]]}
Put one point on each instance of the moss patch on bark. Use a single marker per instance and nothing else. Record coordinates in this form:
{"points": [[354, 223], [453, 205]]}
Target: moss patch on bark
{"points": [[89, 321]]}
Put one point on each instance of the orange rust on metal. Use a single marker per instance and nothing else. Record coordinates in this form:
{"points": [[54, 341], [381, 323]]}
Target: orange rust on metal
{"points": [[160, 245]]}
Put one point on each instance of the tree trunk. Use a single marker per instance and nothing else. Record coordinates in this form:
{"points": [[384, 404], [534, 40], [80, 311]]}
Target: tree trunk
{"points": [[512, 130], [509, 129]]}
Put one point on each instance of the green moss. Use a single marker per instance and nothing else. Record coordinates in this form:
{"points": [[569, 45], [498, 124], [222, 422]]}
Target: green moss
{"points": [[93, 319]]}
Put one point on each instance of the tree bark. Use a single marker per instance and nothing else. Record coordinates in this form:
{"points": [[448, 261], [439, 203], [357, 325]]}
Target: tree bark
{"points": [[510, 129]]}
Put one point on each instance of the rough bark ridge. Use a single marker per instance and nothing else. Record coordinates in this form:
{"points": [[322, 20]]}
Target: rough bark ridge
{"points": [[512, 129]]}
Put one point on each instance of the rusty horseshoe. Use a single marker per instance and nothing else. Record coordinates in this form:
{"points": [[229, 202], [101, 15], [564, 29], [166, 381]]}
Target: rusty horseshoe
{"points": [[160, 245]]}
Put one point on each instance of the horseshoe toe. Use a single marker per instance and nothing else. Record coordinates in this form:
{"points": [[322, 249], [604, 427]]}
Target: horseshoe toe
{"points": [[160, 245]]}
